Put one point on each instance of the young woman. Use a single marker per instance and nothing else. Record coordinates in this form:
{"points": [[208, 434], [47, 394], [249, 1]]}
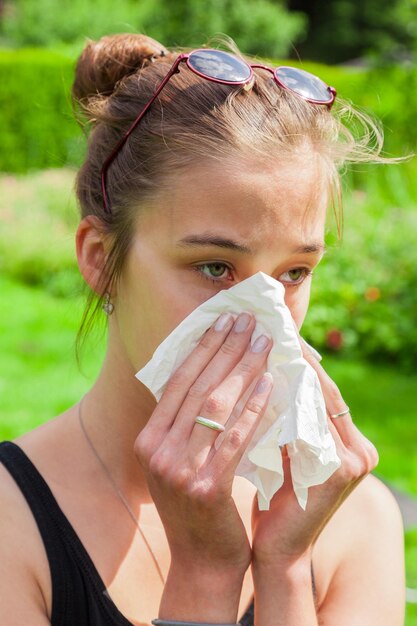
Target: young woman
{"points": [[121, 510]]}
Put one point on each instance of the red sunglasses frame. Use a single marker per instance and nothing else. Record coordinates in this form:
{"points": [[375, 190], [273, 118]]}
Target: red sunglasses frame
{"points": [[174, 70]]}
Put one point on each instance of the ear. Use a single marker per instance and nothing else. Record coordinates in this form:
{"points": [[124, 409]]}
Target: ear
{"points": [[92, 252]]}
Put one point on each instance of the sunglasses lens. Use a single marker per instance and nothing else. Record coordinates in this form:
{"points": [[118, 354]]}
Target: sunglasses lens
{"points": [[303, 83], [219, 65]]}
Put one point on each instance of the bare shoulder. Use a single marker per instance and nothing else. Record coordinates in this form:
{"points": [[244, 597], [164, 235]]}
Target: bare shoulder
{"points": [[361, 552], [24, 570]]}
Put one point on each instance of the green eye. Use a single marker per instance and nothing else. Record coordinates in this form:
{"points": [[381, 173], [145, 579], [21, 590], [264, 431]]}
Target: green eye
{"points": [[296, 274], [216, 272], [216, 269]]}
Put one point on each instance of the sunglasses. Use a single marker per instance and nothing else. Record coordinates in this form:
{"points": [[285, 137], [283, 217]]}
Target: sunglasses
{"points": [[225, 68]]}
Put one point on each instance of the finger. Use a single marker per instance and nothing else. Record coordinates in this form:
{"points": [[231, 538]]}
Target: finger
{"points": [[357, 461], [185, 375], [219, 405], [336, 437], [215, 371], [332, 396], [236, 440]]}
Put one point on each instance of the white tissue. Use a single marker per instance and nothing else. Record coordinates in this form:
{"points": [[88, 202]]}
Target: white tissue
{"points": [[296, 413]]}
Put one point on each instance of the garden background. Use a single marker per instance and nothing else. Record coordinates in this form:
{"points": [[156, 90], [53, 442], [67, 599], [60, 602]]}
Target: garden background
{"points": [[364, 303]]}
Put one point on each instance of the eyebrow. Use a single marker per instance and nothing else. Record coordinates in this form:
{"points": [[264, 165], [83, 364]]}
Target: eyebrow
{"points": [[214, 240], [311, 248], [209, 240]]}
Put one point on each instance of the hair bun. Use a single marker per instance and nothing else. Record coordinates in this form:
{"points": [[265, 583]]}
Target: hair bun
{"points": [[106, 61]]}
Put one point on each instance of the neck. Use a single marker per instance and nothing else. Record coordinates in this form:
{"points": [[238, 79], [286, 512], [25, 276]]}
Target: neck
{"points": [[114, 412]]}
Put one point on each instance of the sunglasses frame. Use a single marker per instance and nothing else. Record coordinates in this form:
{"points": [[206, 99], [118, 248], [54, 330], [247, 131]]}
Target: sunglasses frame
{"points": [[175, 68]]}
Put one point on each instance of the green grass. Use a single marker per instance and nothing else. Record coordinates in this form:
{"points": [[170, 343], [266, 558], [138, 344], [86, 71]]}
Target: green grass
{"points": [[382, 401], [39, 376], [411, 568], [38, 218]]}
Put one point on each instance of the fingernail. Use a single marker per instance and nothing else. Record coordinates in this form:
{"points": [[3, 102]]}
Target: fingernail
{"points": [[264, 383], [242, 322], [222, 322], [260, 344]]}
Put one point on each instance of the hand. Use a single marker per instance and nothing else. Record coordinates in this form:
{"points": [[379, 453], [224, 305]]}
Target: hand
{"points": [[286, 533], [189, 479]]}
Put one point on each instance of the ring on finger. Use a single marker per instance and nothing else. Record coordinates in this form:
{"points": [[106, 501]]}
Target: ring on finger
{"points": [[204, 421], [336, 415]]}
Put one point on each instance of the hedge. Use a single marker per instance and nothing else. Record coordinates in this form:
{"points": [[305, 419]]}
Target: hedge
{"points": [[37, 127]]}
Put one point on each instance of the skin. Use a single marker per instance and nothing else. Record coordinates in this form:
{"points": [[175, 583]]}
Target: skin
{"points": [[196, 516]]}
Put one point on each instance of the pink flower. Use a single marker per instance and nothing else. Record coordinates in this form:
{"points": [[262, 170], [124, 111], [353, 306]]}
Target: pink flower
{"points": [[334, 339]]}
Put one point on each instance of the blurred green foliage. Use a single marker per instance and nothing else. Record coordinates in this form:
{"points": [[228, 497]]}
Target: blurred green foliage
{"points": [[183, 22], [38, 219], [343, 30], [37, 127], [262, 27], [48, 23], [332, 32], [364, 300]]}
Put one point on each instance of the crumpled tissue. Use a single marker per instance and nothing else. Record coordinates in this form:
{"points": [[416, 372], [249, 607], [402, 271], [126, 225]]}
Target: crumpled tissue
{"points": [[296, 413]]}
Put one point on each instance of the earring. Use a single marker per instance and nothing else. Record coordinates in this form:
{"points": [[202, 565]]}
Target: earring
{"points": [[107, 306]]}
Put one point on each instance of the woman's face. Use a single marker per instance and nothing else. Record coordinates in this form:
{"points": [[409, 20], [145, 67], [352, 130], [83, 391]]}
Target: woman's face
{"points": [[217, 226]]}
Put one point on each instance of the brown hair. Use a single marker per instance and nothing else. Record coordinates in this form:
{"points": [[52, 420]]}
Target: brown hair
{"points": [[191, 120]]}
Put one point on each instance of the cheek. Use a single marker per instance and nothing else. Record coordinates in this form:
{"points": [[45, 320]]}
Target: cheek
{"points": [[297, 300], [151, 303], [150, 314]]}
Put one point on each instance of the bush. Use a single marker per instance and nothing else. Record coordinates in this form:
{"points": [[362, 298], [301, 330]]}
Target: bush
{"points": [[38, 221], [67, 22], [183, 22], [37, 127], [364, 298], [389, 94]]}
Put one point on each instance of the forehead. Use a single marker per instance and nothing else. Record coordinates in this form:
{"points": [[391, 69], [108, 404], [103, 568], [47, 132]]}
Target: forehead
{"points": [[257, 204]]}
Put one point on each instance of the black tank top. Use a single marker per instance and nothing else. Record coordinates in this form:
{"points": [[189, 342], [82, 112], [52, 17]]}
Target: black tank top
{"points": [[79, 596]]}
